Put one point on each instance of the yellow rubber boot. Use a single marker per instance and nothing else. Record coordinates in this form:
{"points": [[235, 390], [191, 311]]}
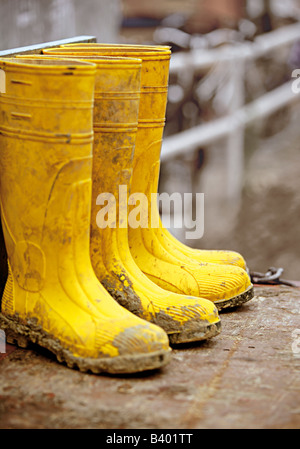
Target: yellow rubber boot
{"points": [[52, 296], [225, 285], [166, 239], [117, 95], [171, 244]]}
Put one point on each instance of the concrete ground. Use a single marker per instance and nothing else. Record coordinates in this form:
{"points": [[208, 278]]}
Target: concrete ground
{"points": [[247, 377]]}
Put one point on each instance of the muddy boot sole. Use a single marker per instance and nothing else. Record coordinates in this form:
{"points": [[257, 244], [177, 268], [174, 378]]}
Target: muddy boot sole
{"points": [[23, 336], [235, 301], [208, 331]]}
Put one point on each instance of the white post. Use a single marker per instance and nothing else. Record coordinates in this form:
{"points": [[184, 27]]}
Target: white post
{"points": [[235, 139]]}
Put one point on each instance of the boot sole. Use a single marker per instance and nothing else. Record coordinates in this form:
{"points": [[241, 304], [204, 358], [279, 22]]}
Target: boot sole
{"points": [[236, 300], [207, 332], [130, 303], [22, 335]]}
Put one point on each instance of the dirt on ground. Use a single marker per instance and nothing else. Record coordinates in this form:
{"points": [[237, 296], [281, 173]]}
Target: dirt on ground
{"points": [[245, 378]]}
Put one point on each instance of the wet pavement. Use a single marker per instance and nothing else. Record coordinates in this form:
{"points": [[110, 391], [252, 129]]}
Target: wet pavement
{"points": [[247, 377]]}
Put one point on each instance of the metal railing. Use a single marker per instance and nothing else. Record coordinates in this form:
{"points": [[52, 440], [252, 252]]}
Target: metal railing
{"points": [[231, 126], [37, 48]]}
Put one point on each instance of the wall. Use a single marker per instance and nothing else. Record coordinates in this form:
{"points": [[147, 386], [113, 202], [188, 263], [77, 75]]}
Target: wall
{"points": [[27, 22]]}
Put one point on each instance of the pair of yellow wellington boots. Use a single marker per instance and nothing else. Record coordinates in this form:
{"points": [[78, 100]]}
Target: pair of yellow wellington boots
{"points": [[52, 170]]}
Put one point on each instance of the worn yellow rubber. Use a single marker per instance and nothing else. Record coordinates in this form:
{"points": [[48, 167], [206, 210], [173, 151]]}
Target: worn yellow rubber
{"points": [[52, 296], [226, 285], [167, 240], [117, 95], [183, 318]]}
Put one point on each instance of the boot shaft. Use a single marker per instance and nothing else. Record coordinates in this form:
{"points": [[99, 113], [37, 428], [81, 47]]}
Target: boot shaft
{"points": [[153, 100], [115, 122], [44, 169]]}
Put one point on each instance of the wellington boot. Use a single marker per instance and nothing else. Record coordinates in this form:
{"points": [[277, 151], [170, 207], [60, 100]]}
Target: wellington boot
{"points": [[166, 239], [117, 95], [225, 285], [52, 296]]}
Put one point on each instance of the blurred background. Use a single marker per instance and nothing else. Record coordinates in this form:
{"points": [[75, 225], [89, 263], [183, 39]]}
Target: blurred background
{"points": [[233, 123]]}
